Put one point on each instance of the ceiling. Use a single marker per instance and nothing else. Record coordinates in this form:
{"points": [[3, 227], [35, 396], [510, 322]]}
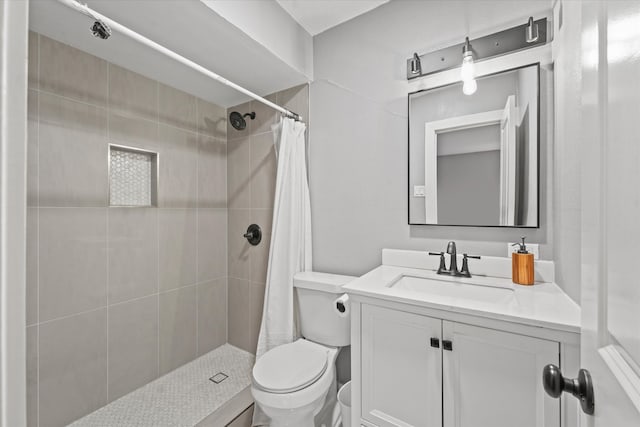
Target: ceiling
{"points": [[187, 27], [317, 16], [197, 32]]}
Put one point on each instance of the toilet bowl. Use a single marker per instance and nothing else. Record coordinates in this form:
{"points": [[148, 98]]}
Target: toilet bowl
{"points": [[293, 383]]}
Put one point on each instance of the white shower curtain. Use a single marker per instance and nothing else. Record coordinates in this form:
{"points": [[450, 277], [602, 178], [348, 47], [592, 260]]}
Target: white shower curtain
{"points": [[290, 250]]}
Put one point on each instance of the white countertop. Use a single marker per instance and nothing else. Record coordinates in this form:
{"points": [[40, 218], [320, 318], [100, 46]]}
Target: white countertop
{"points": [[542, 305]]}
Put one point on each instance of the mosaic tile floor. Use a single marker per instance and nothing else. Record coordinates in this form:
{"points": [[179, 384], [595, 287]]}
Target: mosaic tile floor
{"points": [[183, 397]]}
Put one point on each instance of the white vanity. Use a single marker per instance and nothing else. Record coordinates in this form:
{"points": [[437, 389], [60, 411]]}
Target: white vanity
{"points": [[430, 350]]}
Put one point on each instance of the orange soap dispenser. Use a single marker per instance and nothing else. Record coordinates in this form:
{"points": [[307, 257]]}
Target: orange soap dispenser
{"points": [[522, 265]]}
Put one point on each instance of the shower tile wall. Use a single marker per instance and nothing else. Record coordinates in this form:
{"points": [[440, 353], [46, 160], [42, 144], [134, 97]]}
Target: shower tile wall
{"points": [[251, 185], [118, 296]]}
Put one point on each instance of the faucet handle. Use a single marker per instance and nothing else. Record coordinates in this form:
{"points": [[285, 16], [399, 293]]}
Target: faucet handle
{"points": [[465, 264], [442, 266]]}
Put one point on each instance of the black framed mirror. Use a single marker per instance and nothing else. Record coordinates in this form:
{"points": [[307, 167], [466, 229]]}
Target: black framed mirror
{"points": [[474, 159]]}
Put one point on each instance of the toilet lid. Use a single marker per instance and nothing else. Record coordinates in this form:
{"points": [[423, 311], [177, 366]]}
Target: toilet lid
{"points": [[290, 367]]}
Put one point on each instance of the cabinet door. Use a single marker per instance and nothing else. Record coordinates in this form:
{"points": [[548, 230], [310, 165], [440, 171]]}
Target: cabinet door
{"points": [[493, 379], [401, 371]]}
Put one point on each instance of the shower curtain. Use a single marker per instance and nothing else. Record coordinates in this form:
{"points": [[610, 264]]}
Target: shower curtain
{"points": [[290, 250]]}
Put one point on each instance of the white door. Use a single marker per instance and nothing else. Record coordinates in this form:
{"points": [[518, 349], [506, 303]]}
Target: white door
{"points": [[508, 163], [401, 371], [610, 156], [452, 124], [492, 378]]}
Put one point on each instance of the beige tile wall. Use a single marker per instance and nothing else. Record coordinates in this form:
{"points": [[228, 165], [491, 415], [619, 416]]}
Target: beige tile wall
{"points": [[251, 164], [117, 296]]}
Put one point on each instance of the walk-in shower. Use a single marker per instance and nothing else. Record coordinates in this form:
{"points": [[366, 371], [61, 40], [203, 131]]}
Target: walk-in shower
{"points": [[138, 286]]}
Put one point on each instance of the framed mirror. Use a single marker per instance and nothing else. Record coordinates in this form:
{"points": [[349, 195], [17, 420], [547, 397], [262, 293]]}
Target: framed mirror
{"points": [[474, 159]]}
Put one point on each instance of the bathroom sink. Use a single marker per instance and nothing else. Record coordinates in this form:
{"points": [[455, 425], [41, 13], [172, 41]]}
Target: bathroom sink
{"points": [[456, 288]]}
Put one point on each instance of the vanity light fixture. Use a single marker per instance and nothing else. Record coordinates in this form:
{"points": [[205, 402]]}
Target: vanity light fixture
{"points": [[532, 31], [529, 34], [416, 66], [467, 70]]}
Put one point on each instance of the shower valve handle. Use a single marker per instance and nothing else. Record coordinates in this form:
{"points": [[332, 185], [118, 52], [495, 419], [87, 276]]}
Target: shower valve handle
{"points": [[253, 234]]}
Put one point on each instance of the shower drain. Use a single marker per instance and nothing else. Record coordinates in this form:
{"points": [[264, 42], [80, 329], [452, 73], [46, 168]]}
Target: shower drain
{"points": [[219, 377]]}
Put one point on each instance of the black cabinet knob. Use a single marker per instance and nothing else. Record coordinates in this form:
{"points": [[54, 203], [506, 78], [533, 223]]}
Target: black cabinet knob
{"points": [[582, 387]]}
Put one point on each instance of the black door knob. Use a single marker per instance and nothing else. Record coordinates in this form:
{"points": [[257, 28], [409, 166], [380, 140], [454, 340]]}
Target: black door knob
{"points": [[582, 387]]}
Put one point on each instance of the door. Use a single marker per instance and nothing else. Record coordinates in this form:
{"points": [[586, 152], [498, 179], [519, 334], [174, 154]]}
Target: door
{"points": [[508, 163], [452, 124], [610, 157], [401, 370], [492, 378]]}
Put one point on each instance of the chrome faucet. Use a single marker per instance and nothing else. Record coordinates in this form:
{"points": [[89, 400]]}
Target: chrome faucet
{"points": [[453, 264]]}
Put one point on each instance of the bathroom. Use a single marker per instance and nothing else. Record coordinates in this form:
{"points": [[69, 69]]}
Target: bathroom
{"points": [[219, 213]]}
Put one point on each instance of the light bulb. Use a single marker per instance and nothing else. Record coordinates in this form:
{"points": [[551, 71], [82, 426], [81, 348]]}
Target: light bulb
{"points": [[532, 32], [469, 87], [416, 67], [467, 71]]}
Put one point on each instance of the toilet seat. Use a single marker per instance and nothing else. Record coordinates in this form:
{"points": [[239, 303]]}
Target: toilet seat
{"points": [[290, 367]]}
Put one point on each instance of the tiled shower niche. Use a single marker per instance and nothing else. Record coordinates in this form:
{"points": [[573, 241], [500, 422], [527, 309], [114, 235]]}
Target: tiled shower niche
{"points": [[133, 177]]}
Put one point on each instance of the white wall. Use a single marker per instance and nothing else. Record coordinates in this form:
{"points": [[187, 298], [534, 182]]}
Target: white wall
{"points": [[358, 150], [269, 24], [13, 202], [469, 187]]}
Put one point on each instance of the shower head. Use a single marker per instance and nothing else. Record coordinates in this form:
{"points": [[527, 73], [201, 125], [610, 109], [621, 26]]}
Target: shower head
{"points": [[237, 120], [101, 30]]}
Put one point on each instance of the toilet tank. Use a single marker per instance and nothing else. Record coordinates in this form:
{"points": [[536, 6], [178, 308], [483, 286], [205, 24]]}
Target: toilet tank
{"points": [[320, 320]]}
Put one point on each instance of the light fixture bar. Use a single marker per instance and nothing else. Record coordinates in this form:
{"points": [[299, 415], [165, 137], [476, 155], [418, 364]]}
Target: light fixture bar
{"points": [[497, 44]]}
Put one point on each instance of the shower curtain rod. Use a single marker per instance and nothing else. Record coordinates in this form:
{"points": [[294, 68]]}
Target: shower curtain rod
{"points": [[86, 10]]}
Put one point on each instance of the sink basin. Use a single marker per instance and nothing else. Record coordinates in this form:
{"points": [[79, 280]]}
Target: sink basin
{"points": [[455, 288]]}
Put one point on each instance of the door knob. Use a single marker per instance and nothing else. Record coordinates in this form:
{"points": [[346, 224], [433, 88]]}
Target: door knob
{"points": [[253, 234], [581, 387]]}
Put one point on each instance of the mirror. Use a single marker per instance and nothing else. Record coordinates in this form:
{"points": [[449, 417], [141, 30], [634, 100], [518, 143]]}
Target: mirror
{"points": [[473, 160]]}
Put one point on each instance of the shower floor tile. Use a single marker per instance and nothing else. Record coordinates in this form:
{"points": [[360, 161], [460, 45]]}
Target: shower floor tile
{"points": [[185, 397]]}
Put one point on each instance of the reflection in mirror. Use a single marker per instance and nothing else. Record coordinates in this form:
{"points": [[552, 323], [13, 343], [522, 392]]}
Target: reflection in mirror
{"points": [[473, 160]]}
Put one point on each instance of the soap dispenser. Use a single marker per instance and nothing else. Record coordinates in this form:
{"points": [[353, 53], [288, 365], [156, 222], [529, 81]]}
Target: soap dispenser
{"points": [[522, 265]]}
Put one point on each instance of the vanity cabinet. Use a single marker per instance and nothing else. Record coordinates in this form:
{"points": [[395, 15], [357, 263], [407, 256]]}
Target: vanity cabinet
{"points": [[417, 370], [493, 378], [401, 371]]}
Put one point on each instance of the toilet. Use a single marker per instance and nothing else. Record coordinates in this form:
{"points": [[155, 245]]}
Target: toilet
{"points": [[295, 384]]}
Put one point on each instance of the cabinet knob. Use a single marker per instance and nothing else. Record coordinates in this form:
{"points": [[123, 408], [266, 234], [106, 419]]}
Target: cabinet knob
{"points": [[582, 387], [447, 345], [435, 342]]}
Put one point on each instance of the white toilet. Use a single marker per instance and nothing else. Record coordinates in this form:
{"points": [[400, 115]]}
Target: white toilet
{"points": [[296, 382]]}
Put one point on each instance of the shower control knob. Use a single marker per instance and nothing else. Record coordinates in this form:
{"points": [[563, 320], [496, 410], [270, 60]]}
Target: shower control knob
{"points": [[253, 234]]}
